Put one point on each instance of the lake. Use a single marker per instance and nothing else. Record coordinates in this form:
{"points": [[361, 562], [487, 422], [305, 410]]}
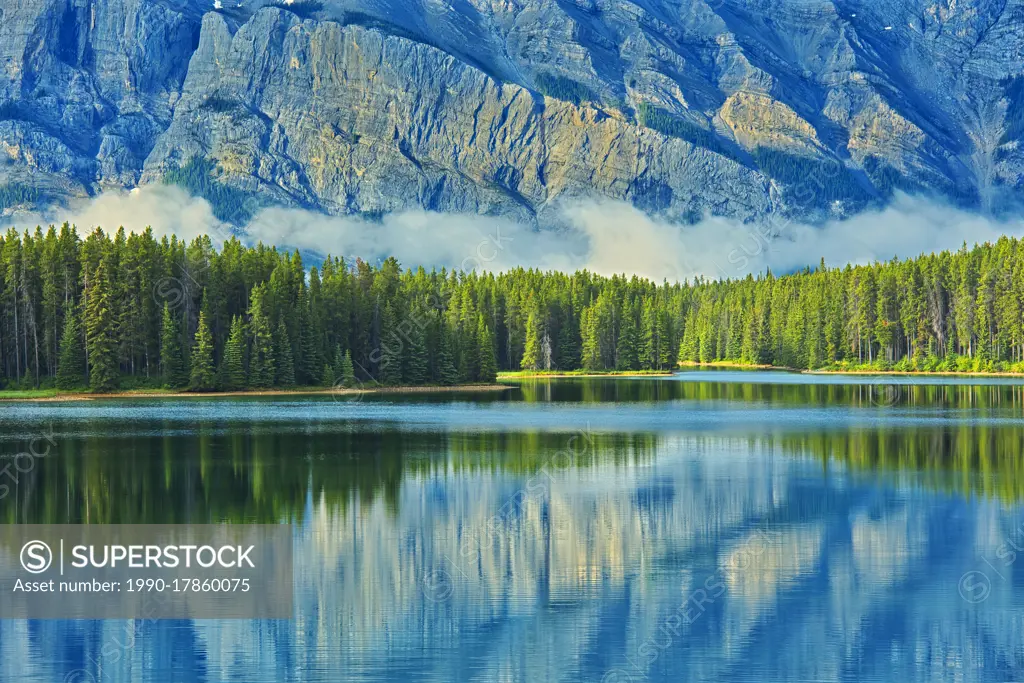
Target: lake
{"points": [[708, 526]]}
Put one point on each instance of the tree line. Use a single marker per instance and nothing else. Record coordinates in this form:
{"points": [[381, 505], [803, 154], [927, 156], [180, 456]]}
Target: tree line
{"points": [[126, 310]]}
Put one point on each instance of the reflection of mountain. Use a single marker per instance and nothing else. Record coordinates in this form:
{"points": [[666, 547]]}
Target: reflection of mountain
{"points": [[242, 461], [856, 582]]}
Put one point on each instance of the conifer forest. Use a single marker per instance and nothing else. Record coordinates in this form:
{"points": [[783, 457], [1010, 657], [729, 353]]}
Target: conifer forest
{"points": [[122, 310]]}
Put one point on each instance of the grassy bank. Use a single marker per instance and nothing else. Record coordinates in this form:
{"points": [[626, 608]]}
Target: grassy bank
{"points": [[548, 374], [56, 395], [739, 365], [867, 369]]}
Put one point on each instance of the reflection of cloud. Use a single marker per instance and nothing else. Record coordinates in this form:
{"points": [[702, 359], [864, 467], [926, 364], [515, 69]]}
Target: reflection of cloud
{"points": [[605, 236], [881, 550], [761, 565], [759, 568]]}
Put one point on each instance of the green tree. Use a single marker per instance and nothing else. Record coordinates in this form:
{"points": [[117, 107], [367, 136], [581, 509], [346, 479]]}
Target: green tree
{"points": [[261, 341], [100, 334], [71, 368], [284, 365], [329, 378], [488, 363], [417, 360], [447, 373], [348, 371], [233, 365], [532, 354], [392, 349], [203, 377], [310, 359], [626, 351], [170, 350]]}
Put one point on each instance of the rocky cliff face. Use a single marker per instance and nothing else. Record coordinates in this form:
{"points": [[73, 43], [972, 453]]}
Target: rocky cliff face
{"points": [[736, 107]]}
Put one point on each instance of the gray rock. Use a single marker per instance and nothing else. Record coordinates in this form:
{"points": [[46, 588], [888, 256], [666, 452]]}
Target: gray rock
{"points": [[735, 107]]}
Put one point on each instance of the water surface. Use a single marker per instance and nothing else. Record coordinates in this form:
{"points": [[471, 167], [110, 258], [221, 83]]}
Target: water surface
{"points": [[708, 526]]}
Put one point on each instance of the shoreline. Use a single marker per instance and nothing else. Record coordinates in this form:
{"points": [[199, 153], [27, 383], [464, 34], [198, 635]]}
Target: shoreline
{"points": [[732, 365], [582, 374], [896, 373], [135, 394], [914, 373]]}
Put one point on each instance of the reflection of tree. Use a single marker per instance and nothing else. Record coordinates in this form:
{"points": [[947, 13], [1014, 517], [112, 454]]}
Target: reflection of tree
{"points": [[968, 459], [883, 394], [248, 473]]}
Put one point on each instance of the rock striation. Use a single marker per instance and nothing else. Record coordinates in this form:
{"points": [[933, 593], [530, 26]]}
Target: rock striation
{"points": [[744, 108]]}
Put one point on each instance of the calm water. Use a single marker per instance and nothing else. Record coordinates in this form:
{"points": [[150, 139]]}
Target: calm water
{"points": [[712, 526]]}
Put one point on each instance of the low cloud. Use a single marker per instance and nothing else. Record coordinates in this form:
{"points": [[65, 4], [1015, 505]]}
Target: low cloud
{"points": [[604, 236]]}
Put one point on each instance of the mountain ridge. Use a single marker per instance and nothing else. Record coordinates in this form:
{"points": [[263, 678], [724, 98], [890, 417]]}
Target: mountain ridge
{"points": [[804, 108]]}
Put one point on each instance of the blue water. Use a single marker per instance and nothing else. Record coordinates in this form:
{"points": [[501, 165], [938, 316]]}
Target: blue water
{"points": [[712, 526]]}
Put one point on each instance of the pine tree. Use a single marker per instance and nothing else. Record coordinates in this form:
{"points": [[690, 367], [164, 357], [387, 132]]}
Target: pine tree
{"points": [[591, 341], [100, 339], [487, 362], [328, 378], [569, 343], [338, 362], [626, 352], [417, 361], [447, 373], [310, 361], [71, 369], [284, 365], [203, 377], [348, 371], [170, 350], [689, 346], [650, 339], [261, 340], [233, 368], [532, 353], [392, 349]]}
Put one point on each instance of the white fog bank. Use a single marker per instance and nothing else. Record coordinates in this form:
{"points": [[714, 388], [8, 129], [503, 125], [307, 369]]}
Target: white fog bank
{"points": [[602, 235]]}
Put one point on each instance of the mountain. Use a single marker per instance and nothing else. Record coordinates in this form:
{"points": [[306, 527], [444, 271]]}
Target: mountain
{"points": [[744, 108]]}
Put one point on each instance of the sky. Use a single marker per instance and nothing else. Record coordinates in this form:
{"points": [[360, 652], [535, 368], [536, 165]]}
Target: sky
{"points": [[604, 236]]}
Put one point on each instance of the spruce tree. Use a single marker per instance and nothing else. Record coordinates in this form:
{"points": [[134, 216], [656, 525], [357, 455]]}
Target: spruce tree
{"points": [[233, 365], [261, 339], [348, 371], [590, 338], [626, 353], [532, 353], [337, 362], [170, 350], [309, 363], [284, 365], [328, 378], [569, 343], [100, 338], [417, 362], [689, 346], [447, 373], [392, 349], [71, 368], [203, 377], [650, 339], [488, 364]]}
